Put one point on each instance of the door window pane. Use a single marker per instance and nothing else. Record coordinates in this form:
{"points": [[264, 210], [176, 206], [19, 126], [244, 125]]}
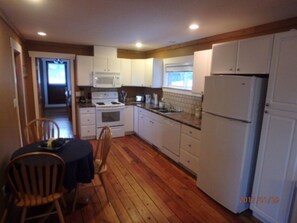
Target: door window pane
{"points": [[56, 73]]}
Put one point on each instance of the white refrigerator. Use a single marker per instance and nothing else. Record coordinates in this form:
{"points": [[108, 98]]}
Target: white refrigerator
{"points": [[231, 121]]}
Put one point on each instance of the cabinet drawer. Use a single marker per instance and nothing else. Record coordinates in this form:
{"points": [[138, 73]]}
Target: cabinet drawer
{"points": [[188, 160], [89, 110], [195, 133], [190, 144], [87, 131], [87, 119]]}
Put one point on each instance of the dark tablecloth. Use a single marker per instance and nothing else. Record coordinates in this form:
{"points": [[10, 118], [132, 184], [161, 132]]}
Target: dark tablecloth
{"points": [[77, 155]]}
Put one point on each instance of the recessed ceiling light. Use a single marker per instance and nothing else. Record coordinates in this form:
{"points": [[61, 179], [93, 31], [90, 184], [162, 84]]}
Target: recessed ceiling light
{"points": [[41, 33], [138, 44], [193, 26]]}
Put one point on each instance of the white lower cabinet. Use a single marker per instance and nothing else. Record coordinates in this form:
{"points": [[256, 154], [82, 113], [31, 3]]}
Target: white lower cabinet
{"points": [[276, 171], [150, 126], [189, 147], [129, 119], [171, 139], [86, 123]]}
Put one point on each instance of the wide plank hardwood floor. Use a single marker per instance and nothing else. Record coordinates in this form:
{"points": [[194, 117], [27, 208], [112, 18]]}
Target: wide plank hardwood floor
{"points": [[145, 186]]}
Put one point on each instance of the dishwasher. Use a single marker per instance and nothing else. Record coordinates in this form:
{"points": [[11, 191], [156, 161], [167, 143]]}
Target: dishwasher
{"points": [[171, 138]]}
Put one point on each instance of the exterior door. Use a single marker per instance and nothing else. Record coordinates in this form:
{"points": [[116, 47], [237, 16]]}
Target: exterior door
{"points": [[56, 82]]}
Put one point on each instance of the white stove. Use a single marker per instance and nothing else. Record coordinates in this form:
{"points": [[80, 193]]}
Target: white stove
{"points": [[106, 99], [109, 112]]}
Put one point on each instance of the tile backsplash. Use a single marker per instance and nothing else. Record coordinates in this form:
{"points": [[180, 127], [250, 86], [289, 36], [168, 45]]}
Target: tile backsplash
{"points": [[187, 103]]}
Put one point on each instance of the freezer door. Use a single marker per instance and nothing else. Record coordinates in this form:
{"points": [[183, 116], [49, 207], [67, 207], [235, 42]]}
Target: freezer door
{"points": [[224, 168], [229, 96]]}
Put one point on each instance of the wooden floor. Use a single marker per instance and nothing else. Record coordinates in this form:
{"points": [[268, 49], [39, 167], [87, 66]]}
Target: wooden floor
{"points": [[144, 186], [60, 116]]}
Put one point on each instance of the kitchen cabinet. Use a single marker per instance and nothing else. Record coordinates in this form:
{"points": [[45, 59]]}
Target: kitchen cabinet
{"points": [[150, 127], [84, 70], [247, 56], [282, 90], [107, 64], [87, 123], [171, 131], [129, 119], [275, 176], [153, 73], [145, 73], [137, 72], [135, 121], [201, 69], [189, 147], [126, 72], [276, 172]]}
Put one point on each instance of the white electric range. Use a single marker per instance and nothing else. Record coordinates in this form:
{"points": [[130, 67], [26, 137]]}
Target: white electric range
{"points": [[109, 112]]}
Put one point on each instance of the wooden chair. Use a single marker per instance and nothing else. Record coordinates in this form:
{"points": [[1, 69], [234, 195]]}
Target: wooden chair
{"points": [[100, 156], [41, 129], [36, 179]]}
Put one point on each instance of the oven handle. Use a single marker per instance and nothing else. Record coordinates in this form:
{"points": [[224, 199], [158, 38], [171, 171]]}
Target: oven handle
{"points": [[109, 108]]}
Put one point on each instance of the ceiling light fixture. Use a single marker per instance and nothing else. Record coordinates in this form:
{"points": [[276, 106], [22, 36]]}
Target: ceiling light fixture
{"points": [[41, 33], [193, 26], [138, 44]]}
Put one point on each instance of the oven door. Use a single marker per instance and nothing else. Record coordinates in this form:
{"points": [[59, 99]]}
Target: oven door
{"points": [[109, 116]]}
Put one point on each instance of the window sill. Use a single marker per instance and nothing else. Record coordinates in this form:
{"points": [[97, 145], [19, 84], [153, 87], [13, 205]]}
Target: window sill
{"points": [[180, 91]]}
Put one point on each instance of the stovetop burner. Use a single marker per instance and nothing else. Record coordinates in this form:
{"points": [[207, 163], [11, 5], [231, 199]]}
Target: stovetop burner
{"points": [[100, 103], [115, 103]]}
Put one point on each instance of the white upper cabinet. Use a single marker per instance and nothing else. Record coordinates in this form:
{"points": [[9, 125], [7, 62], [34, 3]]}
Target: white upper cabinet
{"points": [[247, 56], [201, 68], [153, 73], [84, 70], [126, 72], [282, 90], [137, 72], [107, 64]]}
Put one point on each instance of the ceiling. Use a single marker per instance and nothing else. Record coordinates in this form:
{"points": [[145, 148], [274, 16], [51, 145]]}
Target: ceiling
{"points": [[156, 23]]}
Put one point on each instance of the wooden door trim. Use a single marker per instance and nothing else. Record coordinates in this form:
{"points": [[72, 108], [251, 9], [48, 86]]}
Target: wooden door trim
{"points": [[70, 57]]}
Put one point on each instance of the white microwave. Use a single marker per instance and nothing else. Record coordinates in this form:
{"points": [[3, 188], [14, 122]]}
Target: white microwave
{"points": [[106, 80]]}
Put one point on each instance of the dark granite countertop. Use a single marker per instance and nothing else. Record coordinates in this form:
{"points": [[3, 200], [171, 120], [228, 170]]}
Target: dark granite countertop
{"points": [[85, 105], [182, 117]]}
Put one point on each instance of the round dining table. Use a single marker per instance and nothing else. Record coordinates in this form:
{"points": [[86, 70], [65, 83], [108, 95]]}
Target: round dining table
{"points": [[77, 155]]}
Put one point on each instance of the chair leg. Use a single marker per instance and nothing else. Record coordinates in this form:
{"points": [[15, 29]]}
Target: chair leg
{"points": [[104, 186], [23, 217], [60, 214], [75, 197]]}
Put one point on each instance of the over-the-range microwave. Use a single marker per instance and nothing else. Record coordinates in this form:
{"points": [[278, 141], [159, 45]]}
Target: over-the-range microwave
{"points": [[106, 80]]}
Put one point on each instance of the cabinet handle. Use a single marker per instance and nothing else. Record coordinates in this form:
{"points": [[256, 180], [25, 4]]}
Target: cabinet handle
{"points": [[238, 69], [267, 104], [230, 69], [266, 112]]}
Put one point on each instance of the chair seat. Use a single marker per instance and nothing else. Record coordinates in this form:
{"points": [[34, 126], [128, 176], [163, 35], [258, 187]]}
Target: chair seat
{"points": [[97, 164], [30, 200]]}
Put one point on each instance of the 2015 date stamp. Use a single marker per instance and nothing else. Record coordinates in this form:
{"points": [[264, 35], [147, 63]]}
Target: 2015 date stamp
{"points": [[264, 199]]}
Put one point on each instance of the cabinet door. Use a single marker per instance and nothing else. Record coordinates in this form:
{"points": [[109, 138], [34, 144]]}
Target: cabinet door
{"points": [[282, 90], [201, 69], [129, 118], [224, 58], [254, 55], [135, 123], [137, 72], [126, 72], [153, 73], [100, 64], [84, 68], [113, 65], [275, 176]]}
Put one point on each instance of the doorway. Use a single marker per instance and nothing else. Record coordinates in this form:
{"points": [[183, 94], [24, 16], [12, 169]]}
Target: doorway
{"points": [[55, 84]]}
